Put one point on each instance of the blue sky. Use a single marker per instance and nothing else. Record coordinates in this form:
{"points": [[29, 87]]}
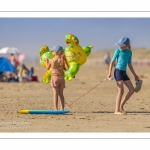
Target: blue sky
{"points": [[29, 34]]}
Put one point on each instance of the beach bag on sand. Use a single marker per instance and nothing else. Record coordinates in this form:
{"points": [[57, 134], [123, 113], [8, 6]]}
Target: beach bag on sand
{"points": [[34, 78], [138, 85]]}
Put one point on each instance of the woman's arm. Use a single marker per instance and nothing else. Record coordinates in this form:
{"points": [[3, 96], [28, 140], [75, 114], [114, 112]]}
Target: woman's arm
{"points": [[48, 64], [110, 68], [133, 72], [66, 65]]}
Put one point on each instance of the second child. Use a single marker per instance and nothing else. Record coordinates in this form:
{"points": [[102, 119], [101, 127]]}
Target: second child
{"points": [[123, 55], [57, 65]]}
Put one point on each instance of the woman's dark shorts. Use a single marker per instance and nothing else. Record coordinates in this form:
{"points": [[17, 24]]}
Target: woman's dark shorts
{"points": [[120, 75]]}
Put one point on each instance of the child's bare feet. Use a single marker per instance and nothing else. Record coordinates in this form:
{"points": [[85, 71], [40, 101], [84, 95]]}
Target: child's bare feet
{"points": [[119, 113]]}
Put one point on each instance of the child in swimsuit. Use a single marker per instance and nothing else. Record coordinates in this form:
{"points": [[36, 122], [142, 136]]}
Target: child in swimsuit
{"points": [[57, 65]]}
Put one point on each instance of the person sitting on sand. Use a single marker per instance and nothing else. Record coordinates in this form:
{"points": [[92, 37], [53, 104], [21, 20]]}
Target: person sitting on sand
{"points": [[25, 74], [14, 61]]}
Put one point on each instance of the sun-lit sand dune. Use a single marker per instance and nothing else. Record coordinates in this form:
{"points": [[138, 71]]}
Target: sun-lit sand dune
{"points": [[93, 112]]}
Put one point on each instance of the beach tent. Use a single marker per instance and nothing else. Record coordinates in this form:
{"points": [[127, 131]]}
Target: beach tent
{"points": [[6, 66]]}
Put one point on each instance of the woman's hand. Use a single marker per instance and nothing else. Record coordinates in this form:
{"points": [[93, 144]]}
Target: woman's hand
{"points": [[136, 77], [45, 59], [133, 72], [108, 76]]}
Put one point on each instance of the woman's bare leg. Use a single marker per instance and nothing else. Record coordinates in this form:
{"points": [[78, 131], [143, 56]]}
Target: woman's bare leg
{"points": [[55, 97], [61, 95], [119, 97], [130, 87]]}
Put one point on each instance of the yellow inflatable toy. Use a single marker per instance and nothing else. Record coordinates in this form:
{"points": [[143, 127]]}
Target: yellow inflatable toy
{"points": [[74, 54], [45, 53]]}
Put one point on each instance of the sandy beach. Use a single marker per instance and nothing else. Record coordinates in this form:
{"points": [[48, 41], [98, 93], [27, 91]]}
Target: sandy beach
{"points": [[94, 112]]}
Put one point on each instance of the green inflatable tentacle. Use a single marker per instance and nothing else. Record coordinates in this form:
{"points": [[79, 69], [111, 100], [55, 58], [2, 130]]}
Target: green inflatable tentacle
{"points": [[87, 49], [73, 70], [47, 77], [45, 52]]}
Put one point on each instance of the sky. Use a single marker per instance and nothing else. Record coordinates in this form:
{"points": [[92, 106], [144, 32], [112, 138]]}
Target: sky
{"points": [[29, 34]]}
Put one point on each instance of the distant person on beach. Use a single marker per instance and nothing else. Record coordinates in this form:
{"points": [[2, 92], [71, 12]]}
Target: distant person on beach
{"points": [[107, 60], [25, 75], [14, 60], [57, 65], [123, 55]]}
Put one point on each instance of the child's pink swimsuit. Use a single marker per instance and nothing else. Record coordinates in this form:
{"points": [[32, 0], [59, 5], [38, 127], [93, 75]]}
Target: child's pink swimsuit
{"points": [[57, 78]]}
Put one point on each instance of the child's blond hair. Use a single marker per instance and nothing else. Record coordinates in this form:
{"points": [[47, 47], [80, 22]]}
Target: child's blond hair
{"points": [[128, 47]]}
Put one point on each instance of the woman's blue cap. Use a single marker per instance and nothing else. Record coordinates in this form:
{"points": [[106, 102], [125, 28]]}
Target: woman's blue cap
{"points": [[123, 41], [57, 48]]}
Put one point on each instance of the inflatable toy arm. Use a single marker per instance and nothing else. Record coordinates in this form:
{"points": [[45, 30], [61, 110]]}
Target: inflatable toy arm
{"points": [[47, 77], [87, 49], [45, 54], [73, 70]]}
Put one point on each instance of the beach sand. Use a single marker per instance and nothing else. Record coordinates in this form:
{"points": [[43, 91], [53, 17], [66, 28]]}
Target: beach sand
{"points": [[94, 112]]}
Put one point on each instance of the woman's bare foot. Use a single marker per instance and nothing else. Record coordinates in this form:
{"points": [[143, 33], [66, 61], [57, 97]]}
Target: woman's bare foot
{"points": [[119, 113], [122, 110]]}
